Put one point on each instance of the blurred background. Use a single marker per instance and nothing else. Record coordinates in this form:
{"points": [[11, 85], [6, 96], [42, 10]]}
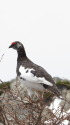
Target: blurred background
{"points": [[43, 26]]}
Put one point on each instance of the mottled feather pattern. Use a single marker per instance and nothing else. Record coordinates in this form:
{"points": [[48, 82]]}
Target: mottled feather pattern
{"points": [[30, 74]]}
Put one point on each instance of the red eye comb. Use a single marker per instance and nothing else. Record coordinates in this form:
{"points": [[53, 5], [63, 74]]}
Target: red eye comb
{"points": [[13, 43]]}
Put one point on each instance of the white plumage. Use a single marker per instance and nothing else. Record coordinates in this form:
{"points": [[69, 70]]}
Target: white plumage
{"points": [[31, 75], [30, 80]]}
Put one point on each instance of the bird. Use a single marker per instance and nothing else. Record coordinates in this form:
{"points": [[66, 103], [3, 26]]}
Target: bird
{"points": [[31, 75]]}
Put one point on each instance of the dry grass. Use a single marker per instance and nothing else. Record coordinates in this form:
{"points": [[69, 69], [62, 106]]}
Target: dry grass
{"points": [[14, 110]]}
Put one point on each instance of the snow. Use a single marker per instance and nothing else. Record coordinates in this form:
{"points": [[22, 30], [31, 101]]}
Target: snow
{"points": [[65, 122], [55, 104], [56, 109]]}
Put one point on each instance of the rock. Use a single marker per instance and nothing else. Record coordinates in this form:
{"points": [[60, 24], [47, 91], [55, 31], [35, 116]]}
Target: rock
{"points": [[66, 103], [1, 123]]}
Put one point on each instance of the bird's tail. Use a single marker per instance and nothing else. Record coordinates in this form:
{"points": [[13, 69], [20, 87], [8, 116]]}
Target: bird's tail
{"points": [[54, 90]]}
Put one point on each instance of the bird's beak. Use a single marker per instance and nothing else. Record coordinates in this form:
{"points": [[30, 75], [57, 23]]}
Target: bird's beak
{"points": [[10, 46]]}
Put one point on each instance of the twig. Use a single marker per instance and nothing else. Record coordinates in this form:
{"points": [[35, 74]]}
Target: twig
{"points": [[1, 57]]}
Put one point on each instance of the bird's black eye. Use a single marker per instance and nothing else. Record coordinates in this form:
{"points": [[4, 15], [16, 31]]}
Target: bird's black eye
{"points": [[11, 46]]}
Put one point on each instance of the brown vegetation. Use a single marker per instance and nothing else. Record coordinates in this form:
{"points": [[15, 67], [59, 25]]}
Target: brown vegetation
{"points": [[18, 110]]}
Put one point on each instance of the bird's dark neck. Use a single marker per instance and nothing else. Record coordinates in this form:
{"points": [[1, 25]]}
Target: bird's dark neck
{"points": [[21, 54]]}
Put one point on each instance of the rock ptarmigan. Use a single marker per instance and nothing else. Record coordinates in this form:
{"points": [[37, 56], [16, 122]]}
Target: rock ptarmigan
{"points": [[31, 75]]}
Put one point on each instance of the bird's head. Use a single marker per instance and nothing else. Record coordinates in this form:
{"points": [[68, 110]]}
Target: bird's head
{"points": [[19, 48], [16, 45]]}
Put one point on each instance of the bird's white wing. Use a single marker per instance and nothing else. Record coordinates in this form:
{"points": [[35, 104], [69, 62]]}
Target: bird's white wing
{"points": [[25, 73]]}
